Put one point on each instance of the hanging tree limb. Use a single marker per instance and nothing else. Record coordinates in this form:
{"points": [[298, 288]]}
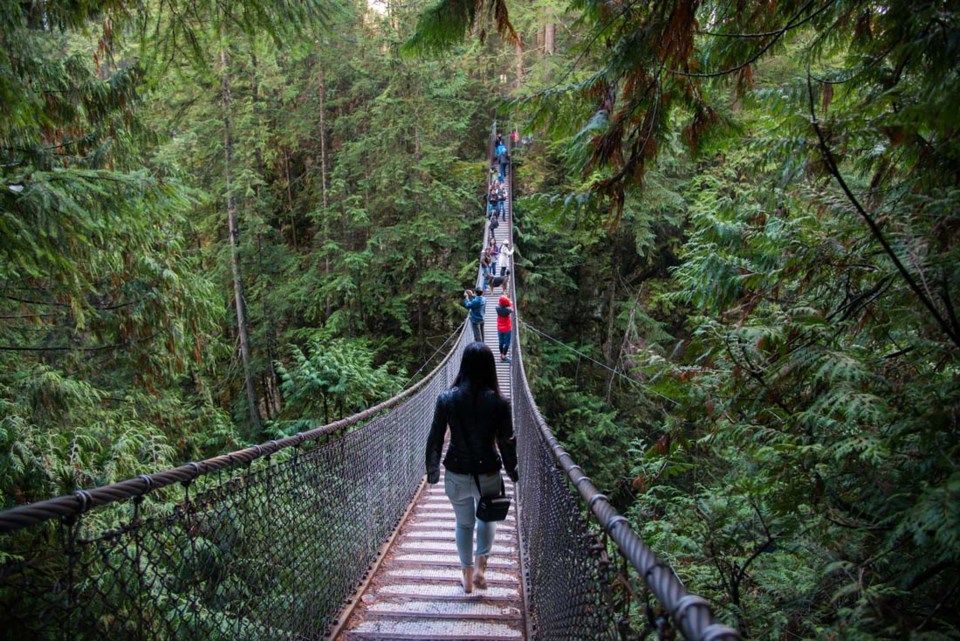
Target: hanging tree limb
{"points": [[875, 230], [28, 301], [794, 22]]}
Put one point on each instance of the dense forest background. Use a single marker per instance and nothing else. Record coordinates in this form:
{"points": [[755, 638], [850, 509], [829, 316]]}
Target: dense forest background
{"points": [[737, 258]]}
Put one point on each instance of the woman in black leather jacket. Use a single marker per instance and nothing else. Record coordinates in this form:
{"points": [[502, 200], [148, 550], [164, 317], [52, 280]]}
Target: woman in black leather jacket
{"points": [[478, 418]]}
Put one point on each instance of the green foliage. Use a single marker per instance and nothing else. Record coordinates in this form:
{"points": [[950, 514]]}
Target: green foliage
{"points": [[584, 422], [101, 307], [128, 132], [741, 218], [446, 23], [333, 373]]}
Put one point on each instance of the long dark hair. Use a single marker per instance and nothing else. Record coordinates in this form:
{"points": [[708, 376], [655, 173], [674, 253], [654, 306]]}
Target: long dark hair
{"points": [[478, 369]]}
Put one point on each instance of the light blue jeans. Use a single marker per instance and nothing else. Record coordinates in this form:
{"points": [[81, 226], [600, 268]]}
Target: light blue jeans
{"points": [[461, 489]]}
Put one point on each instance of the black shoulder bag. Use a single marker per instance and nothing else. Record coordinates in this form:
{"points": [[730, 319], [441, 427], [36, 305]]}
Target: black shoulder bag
{"points": [[492, 508]]}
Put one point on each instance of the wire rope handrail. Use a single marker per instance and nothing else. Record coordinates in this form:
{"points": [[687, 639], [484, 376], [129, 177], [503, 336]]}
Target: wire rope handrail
{"points": [[571, 574], [72, 505]]}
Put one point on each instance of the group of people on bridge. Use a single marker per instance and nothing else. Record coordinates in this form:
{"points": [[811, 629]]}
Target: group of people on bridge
{"points": [[495, 262], [479, 418]]}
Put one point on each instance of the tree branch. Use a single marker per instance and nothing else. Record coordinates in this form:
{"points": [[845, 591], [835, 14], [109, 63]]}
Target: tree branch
{"points": [[875, 230], [792, 23], [57, 304]]}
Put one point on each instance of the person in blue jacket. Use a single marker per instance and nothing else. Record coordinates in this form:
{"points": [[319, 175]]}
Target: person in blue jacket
{"points": [[503, 159], [475, 302]]}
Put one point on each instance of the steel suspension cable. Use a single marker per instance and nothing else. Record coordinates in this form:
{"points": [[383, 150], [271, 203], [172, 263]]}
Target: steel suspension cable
{"points": [[587, 357], [454, 334]]}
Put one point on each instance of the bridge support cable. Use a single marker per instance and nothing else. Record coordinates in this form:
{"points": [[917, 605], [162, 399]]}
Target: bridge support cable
{"points": [[263, 543], [584, 577]]}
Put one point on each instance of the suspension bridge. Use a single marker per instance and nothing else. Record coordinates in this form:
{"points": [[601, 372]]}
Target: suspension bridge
{"points": [[334, 534]]}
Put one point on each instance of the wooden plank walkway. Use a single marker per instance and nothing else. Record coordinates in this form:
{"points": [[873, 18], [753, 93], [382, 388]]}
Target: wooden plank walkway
{"points": [[415, 593]]}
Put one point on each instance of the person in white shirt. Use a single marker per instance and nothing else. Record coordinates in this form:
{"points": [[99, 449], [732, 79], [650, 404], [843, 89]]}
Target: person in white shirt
{"points": [[503, 258]]}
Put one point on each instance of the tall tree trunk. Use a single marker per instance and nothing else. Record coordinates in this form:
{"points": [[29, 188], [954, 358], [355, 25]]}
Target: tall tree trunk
{"points": [[612, 314], [242, 329], [550, 38], [293, 218], [608, 348], [418, 156], [518, 49], [272, 388], [623, 345], [272, 401], [323, 137], [420, 333], [323, 179]]}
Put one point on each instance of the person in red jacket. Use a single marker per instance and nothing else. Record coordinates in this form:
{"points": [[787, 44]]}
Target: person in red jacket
{"points": [[504, 326]]}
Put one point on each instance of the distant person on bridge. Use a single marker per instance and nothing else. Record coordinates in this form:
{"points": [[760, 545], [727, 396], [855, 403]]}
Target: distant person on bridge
{"points": [[479, 418], [503, 159], [503, 259], [493, 199], [488, 268], [475, 302], [504, 326], [502, 202]]}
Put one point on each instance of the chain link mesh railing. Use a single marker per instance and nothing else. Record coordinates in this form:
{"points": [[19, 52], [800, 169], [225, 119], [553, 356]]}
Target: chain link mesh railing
{"points": [[567, 573], [265, 543], [587, 578]]}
